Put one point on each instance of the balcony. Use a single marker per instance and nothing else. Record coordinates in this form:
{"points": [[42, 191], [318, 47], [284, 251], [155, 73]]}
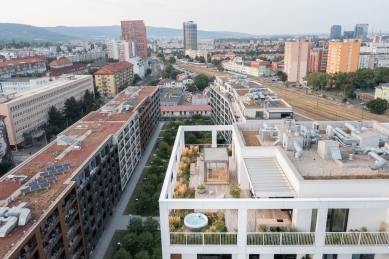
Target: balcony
{"points": [[357, 239], [49, 223], [281, 239], [67, 204], [69, 214], [52, 238], [56, 250], [77, 253], [73, 243], [222, 239], [72, 228]]}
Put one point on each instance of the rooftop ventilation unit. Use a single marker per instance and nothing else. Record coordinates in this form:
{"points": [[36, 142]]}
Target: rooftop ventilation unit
{"points": [[10, 217], [344, 138], [380, 162], [298, 150]]}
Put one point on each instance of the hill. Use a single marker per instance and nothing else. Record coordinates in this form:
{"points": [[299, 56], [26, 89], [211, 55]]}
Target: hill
{"points": [[28, 33]]}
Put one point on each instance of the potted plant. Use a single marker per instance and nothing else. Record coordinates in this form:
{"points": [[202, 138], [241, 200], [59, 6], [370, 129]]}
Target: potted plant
{"points": [[202, 156], [235, 190], [201, 188]]}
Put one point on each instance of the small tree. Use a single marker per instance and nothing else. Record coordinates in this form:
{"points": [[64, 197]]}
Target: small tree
{"points": [[137, 78], [377, 106], [130, 241], [122, 254], [146, 240], [235, 190], [142, 255], [150, 224], [135, 225]]}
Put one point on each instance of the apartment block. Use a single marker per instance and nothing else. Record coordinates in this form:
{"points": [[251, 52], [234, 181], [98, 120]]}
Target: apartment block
{"points": [[241, 100], [62, 62], [315, 189], [27, 110], [343, 56], [27, 65], [318, 60], [135, 31], [253, 68], [297, 59], [108, 79], [373, 60], [56, 204]]}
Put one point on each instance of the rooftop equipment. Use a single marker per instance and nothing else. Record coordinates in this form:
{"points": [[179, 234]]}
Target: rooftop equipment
{"points": [[380, 162], [344, 138], [298, 150]]}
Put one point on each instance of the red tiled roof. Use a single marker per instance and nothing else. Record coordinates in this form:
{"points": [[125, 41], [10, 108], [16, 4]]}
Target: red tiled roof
{"points": [[230, 53], [17, 61], [112, 69], [61, 61], [67, 70], [188, 108]]}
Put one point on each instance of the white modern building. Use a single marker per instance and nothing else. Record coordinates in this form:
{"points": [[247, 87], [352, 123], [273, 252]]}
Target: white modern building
{"points": [[205, 44], [139, 65], [27, 110], [373, 60], [235, 99], [315, 189], [18, 84]]}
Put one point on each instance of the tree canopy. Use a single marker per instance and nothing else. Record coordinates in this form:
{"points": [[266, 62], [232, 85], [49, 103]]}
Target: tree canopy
{"points": [[377, 106], [201, 81]]}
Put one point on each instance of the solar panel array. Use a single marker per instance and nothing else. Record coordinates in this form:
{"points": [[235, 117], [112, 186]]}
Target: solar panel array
{"points": [[131, 101], [55, 170], [274, 103], [48, 180], [34, 188]]}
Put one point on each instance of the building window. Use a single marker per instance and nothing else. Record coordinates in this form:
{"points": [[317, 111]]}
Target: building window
{"points": [[337, 220]]}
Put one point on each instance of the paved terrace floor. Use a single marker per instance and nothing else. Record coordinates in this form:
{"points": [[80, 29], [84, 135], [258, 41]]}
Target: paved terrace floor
{"points": [[118, 221]]}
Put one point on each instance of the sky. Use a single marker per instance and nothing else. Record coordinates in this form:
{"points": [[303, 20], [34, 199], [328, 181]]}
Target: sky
{"points": [[258, 17]]}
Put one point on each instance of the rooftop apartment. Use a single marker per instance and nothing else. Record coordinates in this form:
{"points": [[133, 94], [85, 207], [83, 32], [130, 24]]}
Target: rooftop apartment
{"points": [[62, 196], [316, 188]]}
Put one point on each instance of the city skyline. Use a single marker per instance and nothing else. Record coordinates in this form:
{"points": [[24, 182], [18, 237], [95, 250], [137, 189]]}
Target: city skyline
{"points": [[302, 19]]}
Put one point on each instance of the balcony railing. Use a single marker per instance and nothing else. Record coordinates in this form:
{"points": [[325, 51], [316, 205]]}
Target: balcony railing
{"points": [[357, 239], [228, 239], [281, 239]]}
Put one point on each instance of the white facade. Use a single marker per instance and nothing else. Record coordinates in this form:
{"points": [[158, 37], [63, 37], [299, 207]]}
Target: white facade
{"points": [[193, 53], [112, 49], [8, 54], [236, 66], [90, 55], [375, 50], [14, 85], [139, 65], [368, 60], [205, 44], [365, 204]]}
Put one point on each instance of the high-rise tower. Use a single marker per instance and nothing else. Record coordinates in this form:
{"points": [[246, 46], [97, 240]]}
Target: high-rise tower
{"points": [[190, 35]]}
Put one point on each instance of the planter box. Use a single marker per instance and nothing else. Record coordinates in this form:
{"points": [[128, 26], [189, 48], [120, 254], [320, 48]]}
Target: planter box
{"points": [[201, 190]]}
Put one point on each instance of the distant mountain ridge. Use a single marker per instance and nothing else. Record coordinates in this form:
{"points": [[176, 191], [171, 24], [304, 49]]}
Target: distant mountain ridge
{"points": [[28, 33]]}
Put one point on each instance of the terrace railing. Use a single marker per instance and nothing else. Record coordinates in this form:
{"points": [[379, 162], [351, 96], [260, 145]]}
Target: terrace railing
{"points": [[357, 239], [214, 238], [281, 239]]}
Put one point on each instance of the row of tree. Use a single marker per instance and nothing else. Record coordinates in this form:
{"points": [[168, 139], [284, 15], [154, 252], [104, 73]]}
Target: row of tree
{"points": [[362, 78], [72, 112]]}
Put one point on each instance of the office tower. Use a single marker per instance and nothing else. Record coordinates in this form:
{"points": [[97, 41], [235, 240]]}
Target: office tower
{"points": [[348, 34], [336, 32], [343, 56], [135, 31], [297, 59], [190, 35], [361, 30]]}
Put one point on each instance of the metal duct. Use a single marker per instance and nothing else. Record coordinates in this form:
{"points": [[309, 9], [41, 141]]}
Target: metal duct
{"points": [[380, 162], [345, 138], [386, 151], [350, 127], [10, 223], [383, 140], [299, 151], [277, 142], [297, 129], [373, 149], [359, 126]]}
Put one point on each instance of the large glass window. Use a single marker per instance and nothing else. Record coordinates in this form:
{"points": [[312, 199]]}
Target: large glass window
{"points": [[362, 256], [337, 220], [313, 221], [216, 172], [330, 256]]}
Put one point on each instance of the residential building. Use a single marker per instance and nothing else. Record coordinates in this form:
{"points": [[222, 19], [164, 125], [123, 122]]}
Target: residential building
{"points": [[8, 54], [18, 84], [135, 31], [62, 62], [318, 60], [235, 99], [382, 91], [373, 60], [377, 38], [254, 68], [126, 50], [375, 49], [278, 66], [139, 66], [297, 59], [99, 64], [205, 44], [28, 65], [190, 35], [301, 194], [84, 180], [199, 53], [343, 56], [108, 79], [112, 49], [336, 32], [260, 68], [360, 31], [93, 54], [27, 111], [181, 76], [348, 34], [82, 43], [76, 69], [185, 110], [170, 83]]}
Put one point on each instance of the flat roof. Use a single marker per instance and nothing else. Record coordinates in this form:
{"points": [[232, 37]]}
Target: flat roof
{"points": [[215, 154], [18, 79], [53, 154], [267, 177]]}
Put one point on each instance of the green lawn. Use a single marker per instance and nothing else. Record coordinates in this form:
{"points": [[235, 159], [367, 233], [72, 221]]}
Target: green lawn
{"points": [[113, 245]]}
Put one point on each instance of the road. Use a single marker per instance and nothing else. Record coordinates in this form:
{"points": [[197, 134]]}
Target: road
{"points": [[155, 74], [308, 105]]}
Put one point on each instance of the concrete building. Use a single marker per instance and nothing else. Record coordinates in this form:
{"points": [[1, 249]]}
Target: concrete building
{"points": [[84, 180], [18, 84], [170, 83], [112, 49], [171, 96], [336, 32], [76, 69], [185, 110], [27, 110], [87, 56], [382, 91], [373, 60], [199, 53], [337, 202], [343, 56], [205, 44], [139, 66], [361, 31], [135, 31], [28, 65], [377, 38], [240, 100], [126, 50], [108, 79], [190, 35], [318, 60], [5, 147], [62, 62], [297, 59]]}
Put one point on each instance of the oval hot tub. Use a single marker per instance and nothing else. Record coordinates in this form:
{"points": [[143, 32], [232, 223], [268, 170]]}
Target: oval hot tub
{"points": [[196, 221]]}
